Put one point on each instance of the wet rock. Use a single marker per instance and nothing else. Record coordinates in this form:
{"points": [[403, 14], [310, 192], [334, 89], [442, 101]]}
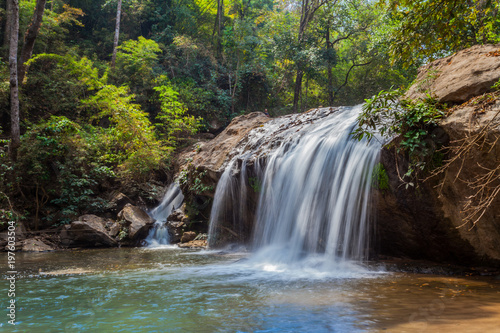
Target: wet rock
{"points": [[88, 231], [188, 236], [136, 220], [175, 230], [35, 245], [457, 78]]}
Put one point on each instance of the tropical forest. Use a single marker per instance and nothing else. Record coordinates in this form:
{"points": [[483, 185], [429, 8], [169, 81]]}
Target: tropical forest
{"points": [[250, 165]]}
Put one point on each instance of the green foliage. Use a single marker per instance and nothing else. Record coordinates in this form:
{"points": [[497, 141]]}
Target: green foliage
{"points": [[388, 116], [130, 141], [496, 86], [380, 179], [61, 168], [193, 181], [172, 118], [123, 233], [433, 28], [255, 184]]}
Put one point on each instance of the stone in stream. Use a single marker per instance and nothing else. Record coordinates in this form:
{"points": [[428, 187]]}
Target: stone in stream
{"points": [[188, 236], [176, 224], [35, 245], [136, 220], [88, 231]]}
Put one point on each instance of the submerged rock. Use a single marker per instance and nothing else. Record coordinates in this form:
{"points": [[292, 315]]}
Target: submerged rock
{"points": [[459, 77]]}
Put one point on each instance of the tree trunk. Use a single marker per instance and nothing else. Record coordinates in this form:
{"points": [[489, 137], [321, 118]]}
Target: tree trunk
{"points": [[29, 39], [329, 69], [309, 7], [14, 87], [8, 23], [297, 90], [219, 26], [117, 33]]}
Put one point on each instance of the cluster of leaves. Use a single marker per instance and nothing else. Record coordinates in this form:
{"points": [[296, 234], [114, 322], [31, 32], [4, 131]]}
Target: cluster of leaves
{"points": [[68, 163], [434, 28], [388, 116]]}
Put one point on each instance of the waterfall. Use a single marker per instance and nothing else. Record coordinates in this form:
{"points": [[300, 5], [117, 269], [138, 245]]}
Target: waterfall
{"points": [[171, 201], [313, 184]]}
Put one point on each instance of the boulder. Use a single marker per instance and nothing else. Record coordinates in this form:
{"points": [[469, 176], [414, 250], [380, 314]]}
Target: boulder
{"points": [[117, 202], [188, 236], [20, 232], [457, 78], [88, 231], [176, 224], [35, 245], [114, 229], [136, 220]]}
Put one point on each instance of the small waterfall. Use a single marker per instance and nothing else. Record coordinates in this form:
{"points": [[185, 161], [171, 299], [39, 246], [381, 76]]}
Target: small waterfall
{"points": [[314, 183], [172, 200]]}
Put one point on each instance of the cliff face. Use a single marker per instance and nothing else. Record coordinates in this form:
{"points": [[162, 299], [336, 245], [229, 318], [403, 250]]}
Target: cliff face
{"points": [[432, 221], [429, 222]]}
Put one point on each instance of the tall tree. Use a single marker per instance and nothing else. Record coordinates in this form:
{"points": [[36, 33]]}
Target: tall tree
{"points": [[14, 87], [117, 32], [8, 20], [308, 9], [29, 39], [219, 25]]}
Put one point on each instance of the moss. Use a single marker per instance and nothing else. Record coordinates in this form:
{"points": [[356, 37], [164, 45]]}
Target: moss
{"points": [[380, 179]]}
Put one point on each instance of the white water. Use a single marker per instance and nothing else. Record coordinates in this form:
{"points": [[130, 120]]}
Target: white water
{"points": [[314, 183], [172, 200]]}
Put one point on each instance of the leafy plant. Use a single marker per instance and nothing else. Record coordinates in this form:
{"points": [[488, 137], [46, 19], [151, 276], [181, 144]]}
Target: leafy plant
{"points": [[388, 116]]}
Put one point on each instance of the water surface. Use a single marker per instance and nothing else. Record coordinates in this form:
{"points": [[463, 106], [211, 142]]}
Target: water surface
{"points": [[173, 290]]}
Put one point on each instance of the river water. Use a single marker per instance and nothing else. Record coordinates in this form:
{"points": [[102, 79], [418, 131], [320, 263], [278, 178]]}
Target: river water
{"points": [[167, 289]]}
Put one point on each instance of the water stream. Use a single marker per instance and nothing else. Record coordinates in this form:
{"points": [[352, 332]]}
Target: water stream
{"points": [[313, 181], [172, 200]]}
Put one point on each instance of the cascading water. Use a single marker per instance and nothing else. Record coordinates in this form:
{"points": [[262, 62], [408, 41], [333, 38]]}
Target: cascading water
{"points": [[314, 184], [172, 200]]}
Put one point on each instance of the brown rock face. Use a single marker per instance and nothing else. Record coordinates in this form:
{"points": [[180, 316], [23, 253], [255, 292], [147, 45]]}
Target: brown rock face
{"points": [[459, 77], [427, 223], [210, 156], [464, 123], [137, 221]]}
